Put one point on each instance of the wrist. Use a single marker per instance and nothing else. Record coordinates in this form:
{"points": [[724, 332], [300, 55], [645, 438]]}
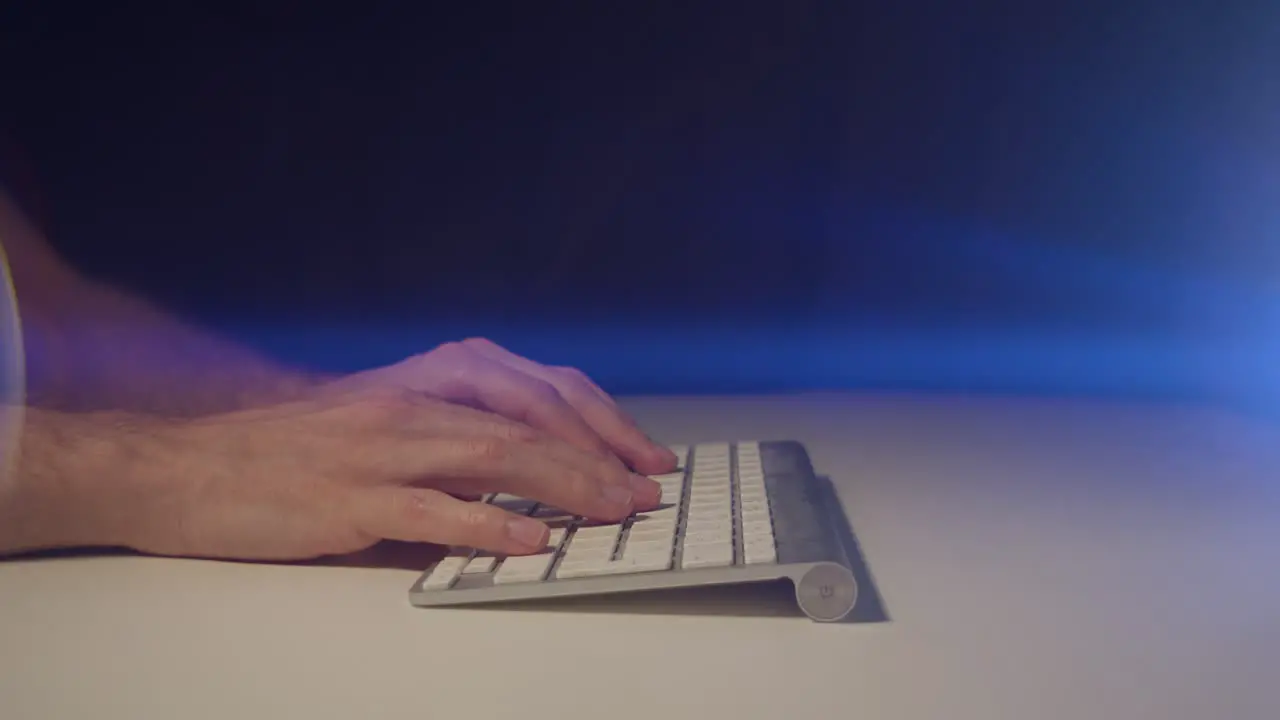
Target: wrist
{"points": [[76, 485]]}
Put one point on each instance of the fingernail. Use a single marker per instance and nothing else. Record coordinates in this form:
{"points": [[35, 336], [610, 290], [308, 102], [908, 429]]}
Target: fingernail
{"points": [[670, 457], [617, 495], [528, 532], [647, 492]]}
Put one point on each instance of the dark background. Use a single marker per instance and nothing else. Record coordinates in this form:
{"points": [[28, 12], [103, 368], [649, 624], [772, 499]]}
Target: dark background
{"points": [[681, 197]]}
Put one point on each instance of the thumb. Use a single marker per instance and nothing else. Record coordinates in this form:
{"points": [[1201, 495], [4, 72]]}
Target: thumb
{"points": [[414, 514]]}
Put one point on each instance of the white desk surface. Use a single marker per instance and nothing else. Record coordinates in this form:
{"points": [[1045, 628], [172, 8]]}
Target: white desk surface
{"points": [[1046, 559]]}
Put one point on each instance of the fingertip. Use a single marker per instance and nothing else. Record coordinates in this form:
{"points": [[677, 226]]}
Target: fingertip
{"points": [[646, 493], [527, 534], [656, 460], [669, 460]]}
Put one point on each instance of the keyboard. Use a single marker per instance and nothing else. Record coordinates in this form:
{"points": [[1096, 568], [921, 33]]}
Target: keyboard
{"points": [[734, 512]]}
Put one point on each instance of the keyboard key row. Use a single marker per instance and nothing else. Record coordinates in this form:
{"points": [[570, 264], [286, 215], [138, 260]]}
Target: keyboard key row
{"points": [[709, 498]]}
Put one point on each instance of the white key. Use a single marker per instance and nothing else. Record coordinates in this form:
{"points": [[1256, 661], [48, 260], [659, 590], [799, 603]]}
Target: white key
{"points": [[445, 571], [593, 543], [711, 508], [523, 568], [580, 540], [757, 529], [710, 514], [585, 553], [656, 561], [705, 555], [718, 496], [619, 567], [572, 569], [657, 518], [710, 536], [722, 493], [756, 552], [644, 546], [480, 565], [599, 533], [709, 530], [557, 535], [711, 496], [721, 504], [709, 521], [652, 533], [639, 563]]}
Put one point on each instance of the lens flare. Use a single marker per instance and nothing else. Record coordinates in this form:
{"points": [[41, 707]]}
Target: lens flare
{"points": [[12, 375]]}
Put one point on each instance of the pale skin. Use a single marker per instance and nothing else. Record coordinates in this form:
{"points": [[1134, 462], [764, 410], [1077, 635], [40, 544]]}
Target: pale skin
{"points": [[144, 432]]}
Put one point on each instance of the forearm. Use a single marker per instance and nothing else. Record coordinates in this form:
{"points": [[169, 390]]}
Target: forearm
{"points": [[99, 348], [71, 486], [90, 346]]}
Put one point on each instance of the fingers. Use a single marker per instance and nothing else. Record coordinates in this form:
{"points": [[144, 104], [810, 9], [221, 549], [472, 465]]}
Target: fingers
{"points": [[473, 378], [615, 427], [592, 487], [392, 425], [598, 411], [414, 514], [409, 412]]}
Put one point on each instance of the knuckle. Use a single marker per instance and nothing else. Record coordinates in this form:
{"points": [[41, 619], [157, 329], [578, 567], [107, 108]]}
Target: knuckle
{"points": [[390, 403], [571, 373], [610, 469], [582, 487], [452, 361], [417, 505], [479, 343], [476, 519], [489, 450], [519, 432], [574, 384], [543, 393], [449, 352]]}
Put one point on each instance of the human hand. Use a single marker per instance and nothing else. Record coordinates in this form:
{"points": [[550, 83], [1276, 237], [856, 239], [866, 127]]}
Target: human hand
{"points": [[334, 476], [561, 401]]}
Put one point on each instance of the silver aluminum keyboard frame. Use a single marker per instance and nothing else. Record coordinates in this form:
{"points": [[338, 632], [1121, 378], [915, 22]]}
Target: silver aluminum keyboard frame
{"points": [[806, 527]]}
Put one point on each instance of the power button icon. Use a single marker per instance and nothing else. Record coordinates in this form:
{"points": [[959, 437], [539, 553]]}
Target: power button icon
{"points": [[827, 591]]}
